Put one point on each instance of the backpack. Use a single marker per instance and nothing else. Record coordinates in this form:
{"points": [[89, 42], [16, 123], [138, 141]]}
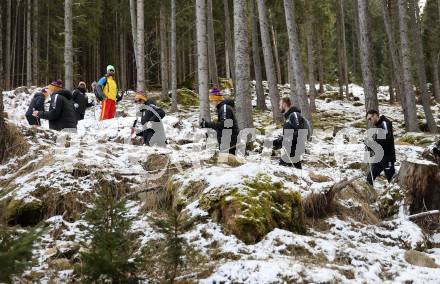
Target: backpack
{"points": [[297, 120]]}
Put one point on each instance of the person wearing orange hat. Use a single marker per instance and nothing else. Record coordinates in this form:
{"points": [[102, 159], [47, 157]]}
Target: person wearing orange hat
{"points": [[226, 125], [61, 114], [37, 104], [107, 91], [81, 102], [153, 132]]}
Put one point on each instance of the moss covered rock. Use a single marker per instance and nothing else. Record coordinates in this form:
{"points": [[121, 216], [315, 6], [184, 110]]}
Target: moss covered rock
{"points": [[21, 212], [187, 97], [254, 208], [417, 139]]}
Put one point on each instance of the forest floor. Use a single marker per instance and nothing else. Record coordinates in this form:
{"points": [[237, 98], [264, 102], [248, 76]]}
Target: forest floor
{"points": [[355, 242]]}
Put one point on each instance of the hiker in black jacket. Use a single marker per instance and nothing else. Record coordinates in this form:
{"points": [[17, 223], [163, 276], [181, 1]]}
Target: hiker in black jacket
{"points": [[81, 102], [61, 114], [226, 126], [37, 104], [386, 164], [293, 123], [152, 131]]}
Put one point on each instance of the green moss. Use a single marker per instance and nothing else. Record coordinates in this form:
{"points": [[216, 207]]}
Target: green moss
{"points": [[417, 139], [329, 95], [256, 208], [359, 124], [187, 97], [389, 202]]}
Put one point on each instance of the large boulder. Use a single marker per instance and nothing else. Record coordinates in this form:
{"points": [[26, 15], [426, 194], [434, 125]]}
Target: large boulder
{"points": [[254, 208]]}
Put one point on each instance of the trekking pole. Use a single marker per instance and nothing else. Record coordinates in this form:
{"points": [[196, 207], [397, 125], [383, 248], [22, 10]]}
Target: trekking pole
{"points": [[371, 173]]}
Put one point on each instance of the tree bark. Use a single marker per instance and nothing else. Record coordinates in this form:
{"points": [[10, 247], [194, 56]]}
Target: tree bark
{"points": [[202, 59], [261, 98], [405, 54], [35, 45], [8, 46], [133, 20], [173, 57], [140, 68], [310, 55], [320, 63], [29, 44], [242, 66], [339, 51], [276, 54], [420, 66], [228, 39], [295, 58], [163, 51], [269, 64], [344, 47], [422, 181], [2, 72], [367, 64], [211, 46], [392, 48], [435, 75], [68, 45]]}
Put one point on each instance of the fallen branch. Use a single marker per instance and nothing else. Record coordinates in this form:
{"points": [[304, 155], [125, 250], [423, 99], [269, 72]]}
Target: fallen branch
{"points": [[423, 214], [337, 187], [145, 190], [317, 205]]}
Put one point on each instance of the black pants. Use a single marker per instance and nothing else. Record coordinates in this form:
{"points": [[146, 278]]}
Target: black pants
{"points": [[376, 170], [296, 165], [33, 120]]}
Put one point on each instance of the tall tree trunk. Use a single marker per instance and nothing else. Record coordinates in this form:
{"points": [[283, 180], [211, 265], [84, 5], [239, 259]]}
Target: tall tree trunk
{"points": [[133, 20], [202, 59], [8, 46], [408, 91], [173, 57], [310, 55], [344, 46], [420, 66], [68, 45], [213, 73], [35, 45], [367, 64], [276, 54], [391, 88], [2, 72], [392, 48], [228, 39], [140, 68], [339, 50], [122, 57], [14, 44], [269, 64], [295, 58], [242, 66], [164, 72], [320, 64], [435, 75], [28, 44], [261, 98]]}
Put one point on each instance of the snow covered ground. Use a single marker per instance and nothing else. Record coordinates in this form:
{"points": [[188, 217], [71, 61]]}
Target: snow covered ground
{"points": [[335, 249]]}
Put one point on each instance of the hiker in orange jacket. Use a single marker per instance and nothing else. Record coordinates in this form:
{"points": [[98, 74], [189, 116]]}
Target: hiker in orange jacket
{"points": [[107, 89]]}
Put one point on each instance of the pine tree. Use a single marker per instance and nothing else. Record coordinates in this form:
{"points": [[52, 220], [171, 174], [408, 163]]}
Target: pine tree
{"points": [[172, 227], [15, 252], [110, 252]]}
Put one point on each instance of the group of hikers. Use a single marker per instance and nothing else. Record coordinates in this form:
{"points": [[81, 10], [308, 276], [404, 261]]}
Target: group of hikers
{"points": [[67, 108]]}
